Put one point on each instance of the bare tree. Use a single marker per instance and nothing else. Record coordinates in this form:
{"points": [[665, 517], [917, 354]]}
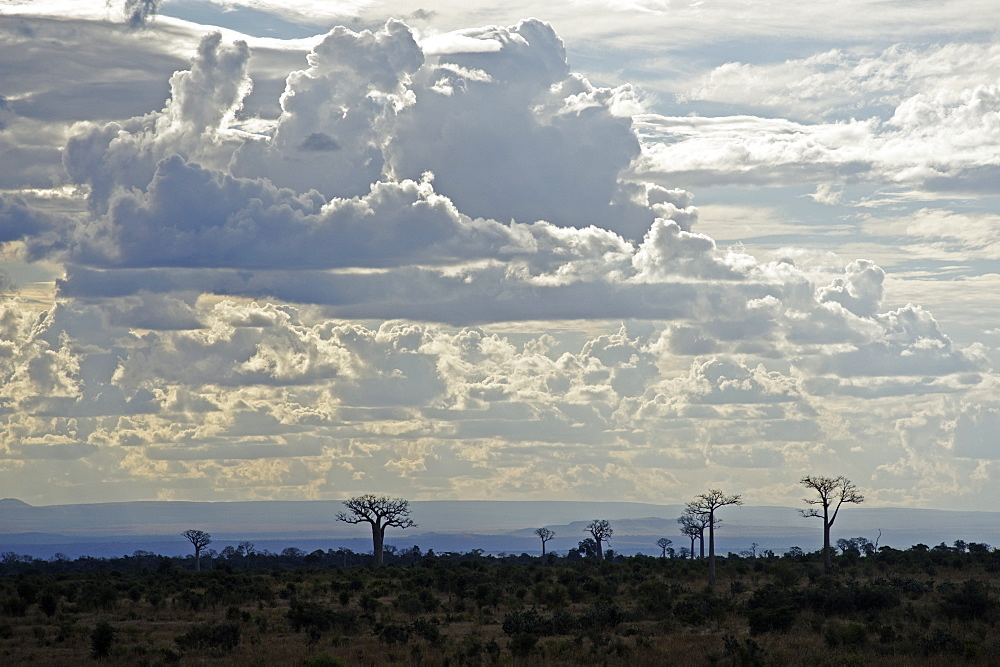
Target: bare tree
{"points": [[694, 525], [689, 530], [833, 492], [199, 539], [600, 530], [545, 534], [381, 512], [663, 543], [706, 505]]}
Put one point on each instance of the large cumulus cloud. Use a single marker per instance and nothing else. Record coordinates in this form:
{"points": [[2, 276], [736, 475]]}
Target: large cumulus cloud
{"points": [[417, 277]]}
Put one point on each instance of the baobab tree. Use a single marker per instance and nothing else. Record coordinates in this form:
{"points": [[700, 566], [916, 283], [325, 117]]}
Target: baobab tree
{"points": [[199, 539], [381, 512], [694, 525], [545, 535], [600, 530], [663, 543], [706, 505], [833, 492]]}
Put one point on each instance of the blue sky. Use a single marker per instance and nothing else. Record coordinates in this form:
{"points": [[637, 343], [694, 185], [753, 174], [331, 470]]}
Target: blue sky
{"points": [[587, 250]]}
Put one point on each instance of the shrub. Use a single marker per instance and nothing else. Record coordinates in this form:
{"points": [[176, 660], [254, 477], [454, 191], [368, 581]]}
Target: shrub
{"points": [[772, 610], [602, 617], [323, 660], [699, 608], [522, 644], [211, 636], [429, 631], [48, 603], [392, 633], [525, 622], [14, 606], [970, 601], [745, 654], [941, 640], [317, 618], [845, 634], [101, 639]]}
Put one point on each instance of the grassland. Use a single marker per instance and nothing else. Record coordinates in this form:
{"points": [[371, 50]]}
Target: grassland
{"points": [[920, 606]]}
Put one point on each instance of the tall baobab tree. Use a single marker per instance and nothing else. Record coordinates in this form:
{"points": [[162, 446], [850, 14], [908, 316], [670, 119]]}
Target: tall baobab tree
{"points": [[706, 505], [600, 530], [833, 492], [663, 543], [199, 539], [381, 512], [545, 535]]}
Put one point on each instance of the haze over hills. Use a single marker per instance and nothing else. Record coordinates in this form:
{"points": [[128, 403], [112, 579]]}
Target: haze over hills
{"points": [[115, 529]]}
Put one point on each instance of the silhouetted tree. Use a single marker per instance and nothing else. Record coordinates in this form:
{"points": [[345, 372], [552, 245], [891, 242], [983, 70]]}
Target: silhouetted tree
{"points": [[833, 492], [694, 525], [381, 512], [706, 505], [587, 547], [545, 535], [199, 539], [601, 531], [663, 543]]}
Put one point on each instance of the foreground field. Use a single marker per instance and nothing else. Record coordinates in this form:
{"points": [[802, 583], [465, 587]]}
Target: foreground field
{"points": [[920, 606]]}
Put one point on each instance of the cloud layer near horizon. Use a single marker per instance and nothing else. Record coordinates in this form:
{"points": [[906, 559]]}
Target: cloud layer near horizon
{"points": [[413, 279]]}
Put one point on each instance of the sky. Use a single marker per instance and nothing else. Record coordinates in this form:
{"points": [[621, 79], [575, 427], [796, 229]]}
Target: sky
{"points": [[587, 250]]}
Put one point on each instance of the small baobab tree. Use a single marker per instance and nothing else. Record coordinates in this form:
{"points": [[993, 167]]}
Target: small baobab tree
{"points": [[381, 512], [600, 530], [663, 543], [199, 539], [833, 492], [545, 535], [706, 505]]}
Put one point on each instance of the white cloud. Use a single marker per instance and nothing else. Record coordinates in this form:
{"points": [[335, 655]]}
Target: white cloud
{"points": [[325, 306], [841, 84], [942, 140]]}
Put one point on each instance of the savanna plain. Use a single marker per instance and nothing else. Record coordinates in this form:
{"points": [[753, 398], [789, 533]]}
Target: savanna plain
{"points": [[923, 605]]}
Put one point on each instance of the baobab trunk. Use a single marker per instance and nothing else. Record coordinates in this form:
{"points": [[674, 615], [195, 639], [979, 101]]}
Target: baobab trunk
{"points": [[378, 537], [711, 551], [827, 556]]}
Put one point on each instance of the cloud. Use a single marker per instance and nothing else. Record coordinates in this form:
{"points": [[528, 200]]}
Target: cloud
{"points": [[138, 12], [452, 266], [938, 140], [975, 432], [355, 84], [840, 84], [860, 291]]}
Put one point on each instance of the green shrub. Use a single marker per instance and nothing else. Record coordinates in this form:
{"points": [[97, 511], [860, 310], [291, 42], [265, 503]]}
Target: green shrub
{"points": [[48, 602], [773, 610], [941, 640], [211, 636], [323, 660], [970, 601], [101, 639], [522, 644], [747, 653], [392, 633], [14, 606], [526, 622], [845, 634]]}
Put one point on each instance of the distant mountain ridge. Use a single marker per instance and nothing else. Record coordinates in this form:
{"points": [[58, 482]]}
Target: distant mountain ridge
{"points": [[102, 529]]}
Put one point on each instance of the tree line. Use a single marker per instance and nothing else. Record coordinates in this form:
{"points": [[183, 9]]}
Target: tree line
{"points": [[700, 515]]}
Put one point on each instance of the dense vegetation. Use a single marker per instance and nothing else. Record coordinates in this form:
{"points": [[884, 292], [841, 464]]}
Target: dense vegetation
{"points": [[923, 605]]}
